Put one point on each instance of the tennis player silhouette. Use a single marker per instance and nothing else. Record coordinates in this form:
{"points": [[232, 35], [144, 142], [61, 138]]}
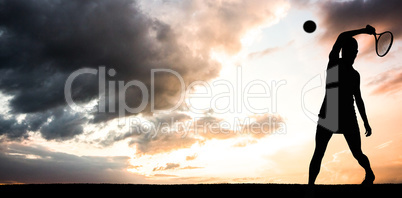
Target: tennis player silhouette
{"points": [[337, 113]]}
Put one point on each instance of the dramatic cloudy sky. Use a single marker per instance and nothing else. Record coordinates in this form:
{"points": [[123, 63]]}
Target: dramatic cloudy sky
{"points": [[213, 53]]}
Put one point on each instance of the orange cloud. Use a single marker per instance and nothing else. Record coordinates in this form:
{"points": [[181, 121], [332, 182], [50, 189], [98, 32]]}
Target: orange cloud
{"points": [[212, 24], [167, 167], [269, 50], [388, 82]]}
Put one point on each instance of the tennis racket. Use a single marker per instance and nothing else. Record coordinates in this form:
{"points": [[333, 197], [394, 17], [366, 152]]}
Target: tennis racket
{"points": [[383, 43]]}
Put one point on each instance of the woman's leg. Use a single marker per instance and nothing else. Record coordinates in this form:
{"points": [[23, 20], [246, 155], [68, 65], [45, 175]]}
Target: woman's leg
{"points": [[354, 142], [322, 138]]}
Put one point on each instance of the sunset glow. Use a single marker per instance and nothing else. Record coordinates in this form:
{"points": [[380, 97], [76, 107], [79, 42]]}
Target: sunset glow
{"points": [[247, 68]]}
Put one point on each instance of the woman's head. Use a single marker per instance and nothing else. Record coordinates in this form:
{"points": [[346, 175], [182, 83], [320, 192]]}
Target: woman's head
{"points": [[349, 49]]}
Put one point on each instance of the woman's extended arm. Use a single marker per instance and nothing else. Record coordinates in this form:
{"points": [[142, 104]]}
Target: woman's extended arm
{"points": [[334, 54]]}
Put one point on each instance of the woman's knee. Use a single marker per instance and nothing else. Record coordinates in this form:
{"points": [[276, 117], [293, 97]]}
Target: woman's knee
{"points": [[358, 155], [318, 155]]}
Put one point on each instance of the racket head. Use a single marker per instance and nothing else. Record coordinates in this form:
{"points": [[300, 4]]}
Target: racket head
{"points": [[384, 43]]}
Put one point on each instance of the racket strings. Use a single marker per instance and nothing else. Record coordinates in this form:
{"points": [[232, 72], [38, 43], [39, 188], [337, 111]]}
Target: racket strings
{"points": [[384, 44]]}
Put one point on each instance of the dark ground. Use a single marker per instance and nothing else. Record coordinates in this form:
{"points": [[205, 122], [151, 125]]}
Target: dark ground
{"points": [[237, 190]]}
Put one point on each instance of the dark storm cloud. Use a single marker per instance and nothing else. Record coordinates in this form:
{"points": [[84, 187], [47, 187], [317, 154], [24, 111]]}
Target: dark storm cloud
{"points": [[12, 128], [53, 124], [339, 16], [43, 42], [64, 125], [23, 164]]}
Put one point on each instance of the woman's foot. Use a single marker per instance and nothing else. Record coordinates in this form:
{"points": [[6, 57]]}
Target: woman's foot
{"points": [[369, 179]]}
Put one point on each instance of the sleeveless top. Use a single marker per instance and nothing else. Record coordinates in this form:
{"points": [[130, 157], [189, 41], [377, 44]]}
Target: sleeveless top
{"points": [[337, 113]]}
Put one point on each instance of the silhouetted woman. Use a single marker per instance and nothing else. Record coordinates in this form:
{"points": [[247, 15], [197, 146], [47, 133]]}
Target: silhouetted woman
{"points": [[337, 113]]}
